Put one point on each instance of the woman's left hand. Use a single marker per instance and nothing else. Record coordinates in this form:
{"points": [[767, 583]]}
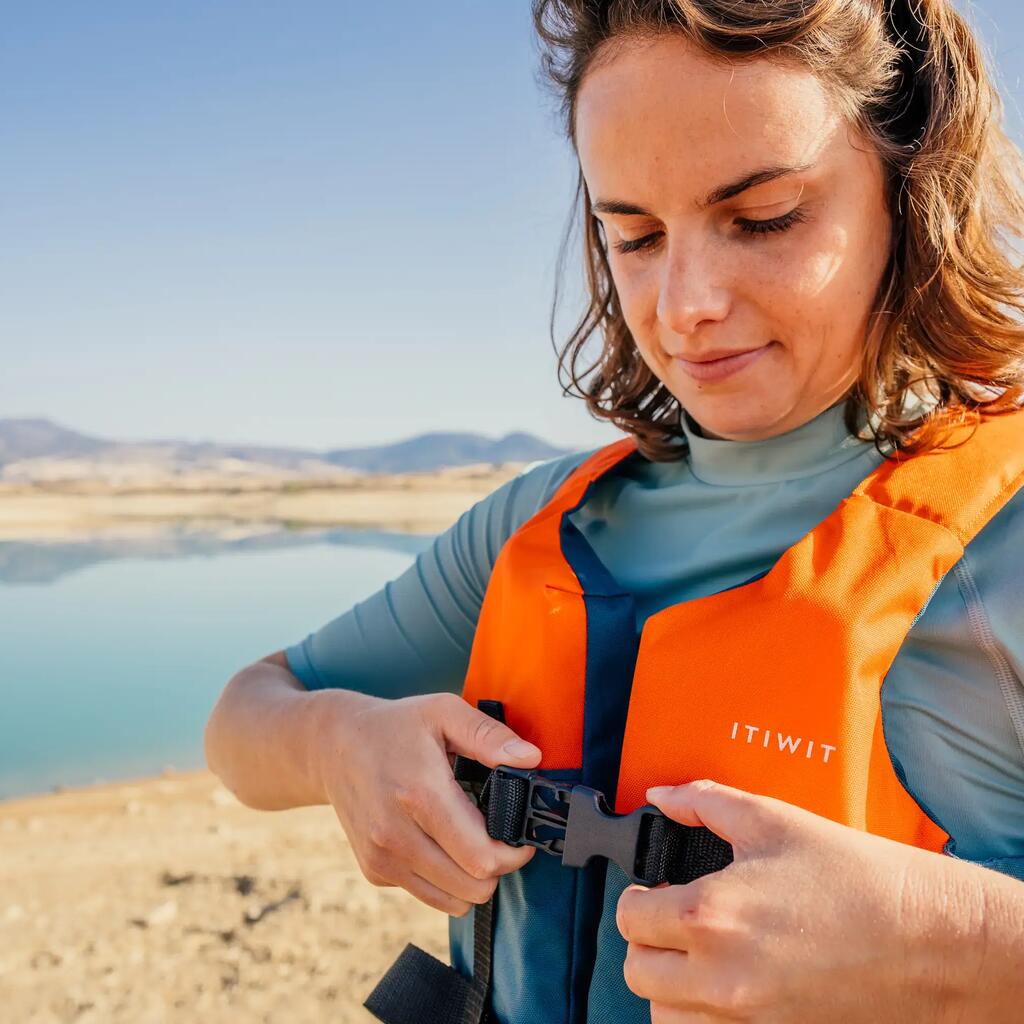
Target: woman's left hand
{"points": [[813, 921]]}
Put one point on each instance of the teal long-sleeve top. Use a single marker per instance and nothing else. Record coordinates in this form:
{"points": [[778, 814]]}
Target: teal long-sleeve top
{"points": [[952, 704]]}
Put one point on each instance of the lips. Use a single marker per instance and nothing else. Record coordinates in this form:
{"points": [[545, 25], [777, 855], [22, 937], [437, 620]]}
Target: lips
{"points": [[718, 364], [716, 354]]}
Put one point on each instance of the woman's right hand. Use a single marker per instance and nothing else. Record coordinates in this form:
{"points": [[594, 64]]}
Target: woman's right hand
{"points": [[386, 768]]}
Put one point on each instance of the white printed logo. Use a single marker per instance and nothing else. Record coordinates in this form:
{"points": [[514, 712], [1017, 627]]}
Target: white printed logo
{"points": [[786, 743]]}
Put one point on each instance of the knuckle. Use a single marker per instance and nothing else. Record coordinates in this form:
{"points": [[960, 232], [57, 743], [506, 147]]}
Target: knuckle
{"points": [[482, 867], [382, 838], [444, 701], [409, 799], [622, 913], [631, 970], [431, 706], [373, 870], [484, 729], [486, 891], [700, 910], [735, 995]]}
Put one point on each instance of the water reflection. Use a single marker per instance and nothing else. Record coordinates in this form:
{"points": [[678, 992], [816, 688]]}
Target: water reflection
{"points": [[111, 660], [42, 562]]}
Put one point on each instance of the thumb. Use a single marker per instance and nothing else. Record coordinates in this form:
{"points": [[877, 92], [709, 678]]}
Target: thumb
{"points": [[471, 733], [746, 820]]}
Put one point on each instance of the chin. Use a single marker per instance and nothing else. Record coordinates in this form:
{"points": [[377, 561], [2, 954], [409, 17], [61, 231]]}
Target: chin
{"points": [[733, 422]]}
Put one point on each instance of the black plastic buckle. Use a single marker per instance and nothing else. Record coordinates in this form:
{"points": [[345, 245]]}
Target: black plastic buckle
{"points": [[575, 822]]}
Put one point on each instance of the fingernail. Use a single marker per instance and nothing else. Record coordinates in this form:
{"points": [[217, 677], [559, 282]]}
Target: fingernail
{"points": [[658, 792], [520, 748]]}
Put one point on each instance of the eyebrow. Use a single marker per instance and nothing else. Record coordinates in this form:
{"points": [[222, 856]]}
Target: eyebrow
{"points": [[716, 195]]}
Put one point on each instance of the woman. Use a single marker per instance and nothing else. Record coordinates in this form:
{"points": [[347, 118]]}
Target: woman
{"points": [[797, 222]]}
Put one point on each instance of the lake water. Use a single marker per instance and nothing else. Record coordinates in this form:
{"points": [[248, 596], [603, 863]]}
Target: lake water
{"points": [[113, 653]]}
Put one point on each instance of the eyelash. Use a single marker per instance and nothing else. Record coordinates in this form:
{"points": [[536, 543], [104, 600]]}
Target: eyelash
{"points": [[750, 227]]}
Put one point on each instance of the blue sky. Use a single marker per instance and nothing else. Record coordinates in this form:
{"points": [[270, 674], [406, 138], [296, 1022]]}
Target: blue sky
{"points": [[318, 223]]}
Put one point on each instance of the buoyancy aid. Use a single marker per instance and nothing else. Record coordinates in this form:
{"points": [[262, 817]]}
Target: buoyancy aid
{"points": [[772, 686]]}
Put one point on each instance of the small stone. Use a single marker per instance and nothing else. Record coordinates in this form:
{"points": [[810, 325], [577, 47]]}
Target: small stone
{"points": [[244, 884], [169, 878], [162, 913]]}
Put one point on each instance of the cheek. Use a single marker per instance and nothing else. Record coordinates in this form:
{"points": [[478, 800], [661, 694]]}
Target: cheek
{"points": [[638, 297], [806, 278], [820, 294]]}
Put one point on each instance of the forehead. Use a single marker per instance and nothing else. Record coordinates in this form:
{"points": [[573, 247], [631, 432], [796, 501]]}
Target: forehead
{"points": [[659, 111]]}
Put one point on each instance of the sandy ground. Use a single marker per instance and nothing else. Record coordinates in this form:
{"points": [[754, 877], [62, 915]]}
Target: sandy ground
{"points": [[409, 503], [166, 900]]}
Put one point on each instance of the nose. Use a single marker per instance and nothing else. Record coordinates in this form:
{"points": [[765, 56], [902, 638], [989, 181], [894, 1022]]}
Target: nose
{"points": [[692, 289]]}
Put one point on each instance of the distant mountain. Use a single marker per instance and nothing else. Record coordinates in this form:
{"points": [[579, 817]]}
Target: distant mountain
{"points": [[39, 448], [431, 451], [35, 438]]}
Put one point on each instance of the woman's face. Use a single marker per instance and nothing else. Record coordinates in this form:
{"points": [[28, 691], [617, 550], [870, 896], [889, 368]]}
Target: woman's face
{"points": [[746, 228]]}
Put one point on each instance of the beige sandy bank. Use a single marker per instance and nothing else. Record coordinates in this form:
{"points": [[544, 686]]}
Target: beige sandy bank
{"points": [[410, 503], [165, 900]]}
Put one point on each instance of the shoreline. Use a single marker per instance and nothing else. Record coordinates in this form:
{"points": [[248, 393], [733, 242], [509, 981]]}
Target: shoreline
{"points": [[401, 503]]}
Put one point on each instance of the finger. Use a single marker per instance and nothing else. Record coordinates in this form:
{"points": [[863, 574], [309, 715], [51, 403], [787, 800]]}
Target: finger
{"points": [[427, 892], [662, 1014], [700, 986], [471, 733], [741, 818], [446, 814], [676, 917], [657, 975], [428, 860]]}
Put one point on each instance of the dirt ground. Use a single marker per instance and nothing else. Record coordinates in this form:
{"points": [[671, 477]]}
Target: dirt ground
{"points": [[166, 900]]}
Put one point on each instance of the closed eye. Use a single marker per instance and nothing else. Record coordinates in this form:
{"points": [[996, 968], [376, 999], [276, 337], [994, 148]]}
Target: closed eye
{"points": [[747, 226]]}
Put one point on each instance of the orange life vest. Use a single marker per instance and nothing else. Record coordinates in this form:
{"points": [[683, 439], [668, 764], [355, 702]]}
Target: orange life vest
{"points": [[773, 686]]}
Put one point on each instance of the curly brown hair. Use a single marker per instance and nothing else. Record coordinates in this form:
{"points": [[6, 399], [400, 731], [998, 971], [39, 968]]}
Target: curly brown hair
{"points": [[946, 324]]}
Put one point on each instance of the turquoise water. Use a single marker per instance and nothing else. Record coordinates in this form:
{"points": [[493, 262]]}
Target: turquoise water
{"points": [[113, 653]]}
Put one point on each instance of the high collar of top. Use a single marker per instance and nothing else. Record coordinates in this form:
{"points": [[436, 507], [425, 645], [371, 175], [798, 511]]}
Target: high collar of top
{"points": [[814, 447]]}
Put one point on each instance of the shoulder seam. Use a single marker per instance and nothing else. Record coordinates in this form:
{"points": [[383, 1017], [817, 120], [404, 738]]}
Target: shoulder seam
{"points": [[984, 637]]}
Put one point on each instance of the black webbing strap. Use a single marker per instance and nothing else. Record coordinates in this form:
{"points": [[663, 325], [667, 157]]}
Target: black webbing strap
{"points": [[524, 808], [678, 854], [573, 821], [418, 988]]}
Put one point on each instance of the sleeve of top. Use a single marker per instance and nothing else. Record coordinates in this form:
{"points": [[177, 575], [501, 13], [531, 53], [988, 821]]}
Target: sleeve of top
{"points": [[991, 583], [414, 635], [979, 756]]}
